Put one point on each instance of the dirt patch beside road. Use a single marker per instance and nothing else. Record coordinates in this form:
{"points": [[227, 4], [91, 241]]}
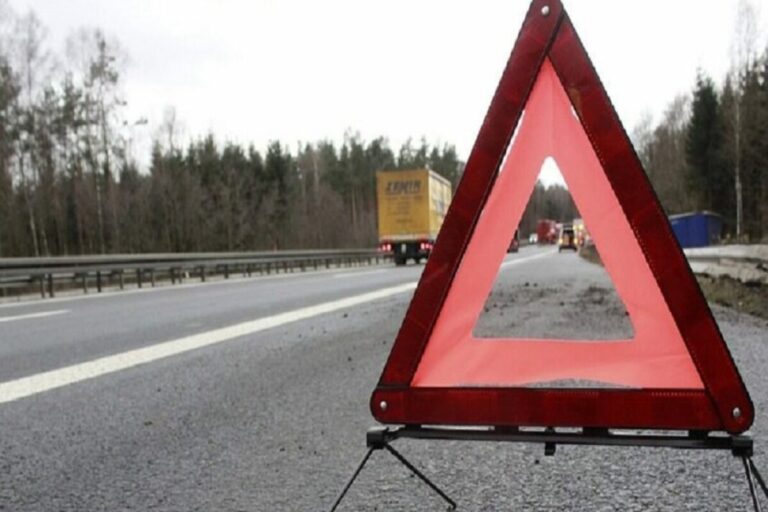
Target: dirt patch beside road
{"points": [[747, 298], [752, 299]]}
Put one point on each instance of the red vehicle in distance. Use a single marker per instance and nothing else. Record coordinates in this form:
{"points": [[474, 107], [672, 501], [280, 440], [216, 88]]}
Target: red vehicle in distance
{"points": [[546, 231]]}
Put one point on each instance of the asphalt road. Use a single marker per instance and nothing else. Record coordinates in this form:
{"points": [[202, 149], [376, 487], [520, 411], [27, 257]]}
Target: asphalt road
{"points": [[252, 395]]}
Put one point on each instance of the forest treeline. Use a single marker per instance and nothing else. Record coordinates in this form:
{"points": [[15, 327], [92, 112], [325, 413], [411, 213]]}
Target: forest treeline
{"points": [[70, 182], [710, 149]]}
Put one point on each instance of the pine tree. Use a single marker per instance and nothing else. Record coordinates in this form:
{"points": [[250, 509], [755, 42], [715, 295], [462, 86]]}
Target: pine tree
{"points": [[707, 177]]}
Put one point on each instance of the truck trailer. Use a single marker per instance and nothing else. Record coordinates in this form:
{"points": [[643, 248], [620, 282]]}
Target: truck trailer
{"points": [[411, 208]]}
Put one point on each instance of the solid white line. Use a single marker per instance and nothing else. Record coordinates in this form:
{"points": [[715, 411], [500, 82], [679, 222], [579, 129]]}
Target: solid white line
{"points": [[526, 259], [42, 382], [356, 274], [33, 315]]}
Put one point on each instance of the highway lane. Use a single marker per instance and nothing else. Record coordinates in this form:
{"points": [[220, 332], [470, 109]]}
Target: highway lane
{"points": [[34, 341], [117, 322], [274, 420]]}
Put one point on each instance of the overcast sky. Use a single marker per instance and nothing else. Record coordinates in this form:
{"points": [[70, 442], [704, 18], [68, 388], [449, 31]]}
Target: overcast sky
{"points": [[301, 70]]}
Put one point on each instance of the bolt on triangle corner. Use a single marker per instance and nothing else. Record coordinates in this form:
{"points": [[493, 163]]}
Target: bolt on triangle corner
{"points": [[677, 373]]}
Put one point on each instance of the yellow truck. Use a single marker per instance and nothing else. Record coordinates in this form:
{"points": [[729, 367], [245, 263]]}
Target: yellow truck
{"points": [[411, 209]]}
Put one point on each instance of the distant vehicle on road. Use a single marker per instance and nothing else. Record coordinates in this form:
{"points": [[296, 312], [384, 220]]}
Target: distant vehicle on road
{"points": [[567, 238], [580, 231], [514, 245], [533, 238], [546, 231], [411, 208]]}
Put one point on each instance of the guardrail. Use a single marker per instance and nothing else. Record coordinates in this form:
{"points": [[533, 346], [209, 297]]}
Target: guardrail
{"points": [[746, 263], [111, 270]]}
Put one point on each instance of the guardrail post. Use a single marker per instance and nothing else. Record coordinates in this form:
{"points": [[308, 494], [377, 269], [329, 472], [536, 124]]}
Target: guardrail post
{"points": [[202, 273], [50, 285], [98, 281], [226, 271], [121, 277], [152, 276], [84, 277], [248, 269], [327, 262], [173, 275], [285, 267], [138, 277], [42, 285]]}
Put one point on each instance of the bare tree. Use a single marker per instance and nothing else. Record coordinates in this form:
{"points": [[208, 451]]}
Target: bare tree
{"points": [[743, 50], [98, 61], [31, 61]]}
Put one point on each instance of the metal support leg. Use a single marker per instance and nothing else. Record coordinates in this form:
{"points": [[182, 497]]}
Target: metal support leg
{"points": [[421, 475], [758, 476], [376, 439], [751, 481], [352, 480]]}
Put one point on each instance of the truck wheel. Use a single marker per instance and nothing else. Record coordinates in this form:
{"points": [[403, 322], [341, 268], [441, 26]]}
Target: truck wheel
{"points": [[417, 260], [399, 261]]}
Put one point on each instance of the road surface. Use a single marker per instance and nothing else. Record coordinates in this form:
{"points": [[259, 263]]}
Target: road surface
{"points": [[252, 395]]}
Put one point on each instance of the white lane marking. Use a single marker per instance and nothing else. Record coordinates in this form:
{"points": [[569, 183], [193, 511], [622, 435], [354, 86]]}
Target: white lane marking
{"points": [[517, 261], [33, 315], [355, 274], [46, 381]]}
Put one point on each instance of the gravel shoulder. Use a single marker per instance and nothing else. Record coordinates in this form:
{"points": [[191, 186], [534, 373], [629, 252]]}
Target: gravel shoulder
{"points": [[276, 422]]}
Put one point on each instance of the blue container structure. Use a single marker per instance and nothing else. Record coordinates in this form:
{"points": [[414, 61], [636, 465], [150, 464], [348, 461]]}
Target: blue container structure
{"points": [[697, 229]]}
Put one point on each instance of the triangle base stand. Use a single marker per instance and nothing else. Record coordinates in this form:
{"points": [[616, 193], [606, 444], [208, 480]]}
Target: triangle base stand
{"points": [[380, 438]]}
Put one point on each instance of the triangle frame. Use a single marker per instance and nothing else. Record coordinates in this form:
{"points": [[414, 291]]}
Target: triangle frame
{"points": [[723, 404]]}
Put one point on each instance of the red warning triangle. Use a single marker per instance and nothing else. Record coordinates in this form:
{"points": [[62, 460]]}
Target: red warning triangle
{"points": [[675, 373]]}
